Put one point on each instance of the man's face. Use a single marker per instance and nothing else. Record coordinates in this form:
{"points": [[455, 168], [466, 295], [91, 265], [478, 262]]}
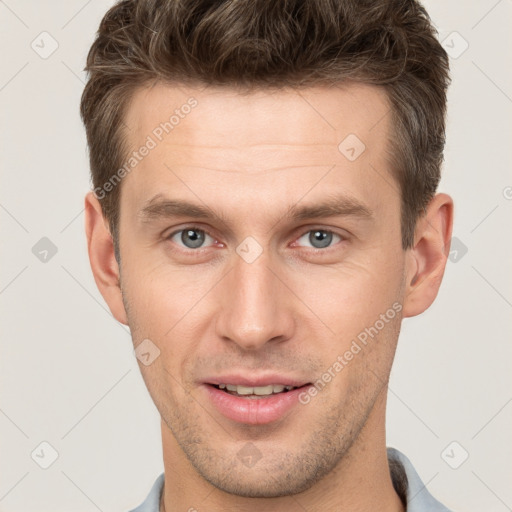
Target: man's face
{"points": [[264, 290]]}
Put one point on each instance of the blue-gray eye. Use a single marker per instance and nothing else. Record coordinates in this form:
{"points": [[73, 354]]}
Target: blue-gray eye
{"points": [[191, 238], [320, 238]]}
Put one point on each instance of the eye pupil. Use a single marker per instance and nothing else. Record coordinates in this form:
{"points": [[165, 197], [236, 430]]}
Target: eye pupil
{"points": [[320, 239], [192, 238]]}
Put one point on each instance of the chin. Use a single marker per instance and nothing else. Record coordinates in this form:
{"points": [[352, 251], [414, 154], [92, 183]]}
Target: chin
{"points": [[255, 487]]}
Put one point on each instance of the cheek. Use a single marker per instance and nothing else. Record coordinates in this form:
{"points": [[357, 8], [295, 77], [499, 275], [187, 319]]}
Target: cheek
{"points": [[158, 291], [348, 299], [166, 305]]}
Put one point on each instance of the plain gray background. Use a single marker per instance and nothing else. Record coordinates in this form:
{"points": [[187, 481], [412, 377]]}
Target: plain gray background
{"points": [[68, 374]]}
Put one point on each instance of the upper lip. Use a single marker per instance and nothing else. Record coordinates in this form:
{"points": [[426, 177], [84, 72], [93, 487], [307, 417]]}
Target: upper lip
{"points": [[255, 380]]}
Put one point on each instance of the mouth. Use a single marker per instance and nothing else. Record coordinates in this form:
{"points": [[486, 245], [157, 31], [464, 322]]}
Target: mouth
{"points": [[254, 392], [255, 405]]}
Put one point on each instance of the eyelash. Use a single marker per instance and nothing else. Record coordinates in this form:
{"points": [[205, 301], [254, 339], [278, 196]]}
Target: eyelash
{"points": [[200, 250]]}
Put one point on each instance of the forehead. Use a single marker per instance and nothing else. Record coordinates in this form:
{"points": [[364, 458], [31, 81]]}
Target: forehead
{"points": [[316, 115], [255, 142]]}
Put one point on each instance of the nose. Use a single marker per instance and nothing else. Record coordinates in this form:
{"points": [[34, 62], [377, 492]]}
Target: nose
{"points": [[255, 305]]}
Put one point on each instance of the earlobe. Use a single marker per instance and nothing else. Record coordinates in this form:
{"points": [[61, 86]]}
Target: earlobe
{"points": [[102, 258], [426, 261]]}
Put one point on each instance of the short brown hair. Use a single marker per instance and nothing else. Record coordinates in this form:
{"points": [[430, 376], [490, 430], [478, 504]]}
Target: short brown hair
{"points": [[273, 43]]}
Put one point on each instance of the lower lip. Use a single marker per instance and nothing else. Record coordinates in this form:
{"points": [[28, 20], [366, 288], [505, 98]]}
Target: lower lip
{"points": [[254, 411]]}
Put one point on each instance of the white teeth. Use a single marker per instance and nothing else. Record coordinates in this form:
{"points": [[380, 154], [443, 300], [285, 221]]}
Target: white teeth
{"points": [[255, 390], [263, 390], [244, 390]]}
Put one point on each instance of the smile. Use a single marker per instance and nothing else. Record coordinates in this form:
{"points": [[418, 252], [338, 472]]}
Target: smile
{"points": [[256, 391]]}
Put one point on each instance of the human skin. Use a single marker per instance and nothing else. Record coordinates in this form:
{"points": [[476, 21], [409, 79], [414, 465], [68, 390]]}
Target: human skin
{"points": [[291, 312]]}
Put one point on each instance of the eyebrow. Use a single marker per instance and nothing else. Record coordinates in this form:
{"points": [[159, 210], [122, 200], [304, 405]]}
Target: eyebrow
{"points": [[160, 207]]}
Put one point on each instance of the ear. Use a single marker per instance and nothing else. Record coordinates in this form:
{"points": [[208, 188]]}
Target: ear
{"points": [[426, 261], [101, 255]]}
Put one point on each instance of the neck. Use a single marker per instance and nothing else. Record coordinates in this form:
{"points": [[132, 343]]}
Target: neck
{"points": [[361, 481]]}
